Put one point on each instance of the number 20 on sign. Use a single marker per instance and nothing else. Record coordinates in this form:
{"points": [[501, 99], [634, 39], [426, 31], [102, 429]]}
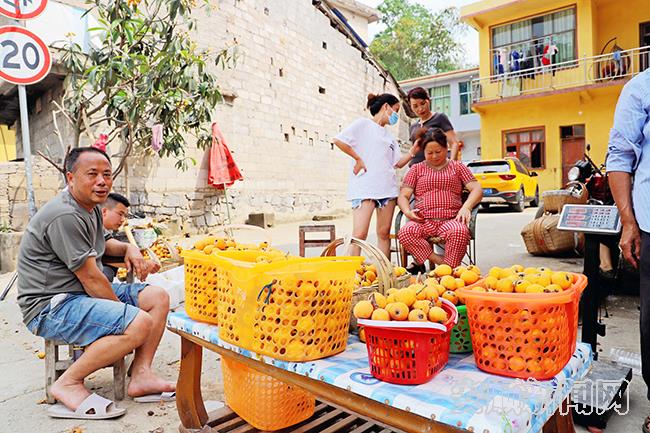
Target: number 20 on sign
{"points": [[24, 57]]}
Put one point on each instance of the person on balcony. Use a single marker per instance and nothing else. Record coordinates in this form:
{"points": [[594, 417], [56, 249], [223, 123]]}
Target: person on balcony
{"points": [[437, 183], [421, 105]]}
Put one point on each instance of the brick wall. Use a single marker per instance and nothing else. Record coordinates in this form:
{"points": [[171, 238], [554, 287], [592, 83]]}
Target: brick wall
{"points": [[296, 83]]}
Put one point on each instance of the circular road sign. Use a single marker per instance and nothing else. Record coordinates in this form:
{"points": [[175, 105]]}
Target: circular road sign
{"points": [[24, 57], [22, 9]]}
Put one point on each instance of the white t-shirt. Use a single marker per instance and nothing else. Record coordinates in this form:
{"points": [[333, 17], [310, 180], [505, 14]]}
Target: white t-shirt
{"points": [[379, 152]]}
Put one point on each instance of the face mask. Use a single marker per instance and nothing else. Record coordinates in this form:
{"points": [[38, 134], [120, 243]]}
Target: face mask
{"points": [[394, 118]]}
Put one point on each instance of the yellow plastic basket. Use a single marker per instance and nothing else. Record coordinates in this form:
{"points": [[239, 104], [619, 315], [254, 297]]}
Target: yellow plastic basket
{"points": [[262, 401], [201, 276], [295, 310]]}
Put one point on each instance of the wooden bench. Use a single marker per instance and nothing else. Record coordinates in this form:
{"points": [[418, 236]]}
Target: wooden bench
{"points": [[193, 415]]}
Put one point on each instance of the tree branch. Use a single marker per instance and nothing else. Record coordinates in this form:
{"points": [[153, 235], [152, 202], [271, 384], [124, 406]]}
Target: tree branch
{"points": [[61, 170]]}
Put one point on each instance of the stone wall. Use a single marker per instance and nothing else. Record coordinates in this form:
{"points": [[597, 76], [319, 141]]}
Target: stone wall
{"points": [[14, 211], [296, 83]]}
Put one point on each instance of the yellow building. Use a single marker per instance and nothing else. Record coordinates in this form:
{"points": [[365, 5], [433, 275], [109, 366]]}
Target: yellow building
{"points": [[550, 75], [7, 144]]}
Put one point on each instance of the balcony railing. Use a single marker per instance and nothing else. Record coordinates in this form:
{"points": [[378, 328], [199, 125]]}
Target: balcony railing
{"points": [[585, 71]]}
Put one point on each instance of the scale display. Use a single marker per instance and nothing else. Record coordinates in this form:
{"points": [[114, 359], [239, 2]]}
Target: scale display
{"points": [[590, 219]]}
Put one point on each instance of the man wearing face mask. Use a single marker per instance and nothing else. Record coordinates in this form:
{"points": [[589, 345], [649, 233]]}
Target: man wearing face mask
{"points": [[373, 180]]}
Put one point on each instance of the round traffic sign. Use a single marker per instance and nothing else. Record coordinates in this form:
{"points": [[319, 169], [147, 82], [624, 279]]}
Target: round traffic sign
{"points": [[22, 9], [24, 57]]}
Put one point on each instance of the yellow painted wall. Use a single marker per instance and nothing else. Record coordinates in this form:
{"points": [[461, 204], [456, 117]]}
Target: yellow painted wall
{"points": [[7, 144], [594, 109], [615, 20]]}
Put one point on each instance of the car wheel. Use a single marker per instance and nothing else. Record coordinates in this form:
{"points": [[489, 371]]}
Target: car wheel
{"points": [[535, 202], [485, 205], [520, 205]]}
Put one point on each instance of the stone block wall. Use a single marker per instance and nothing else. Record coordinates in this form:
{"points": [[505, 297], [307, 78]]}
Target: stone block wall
{"points": [[14, 211], [296, 83]]}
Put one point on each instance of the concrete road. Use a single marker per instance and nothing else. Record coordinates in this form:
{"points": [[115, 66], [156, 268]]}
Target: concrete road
{"points": [[498, 244]]}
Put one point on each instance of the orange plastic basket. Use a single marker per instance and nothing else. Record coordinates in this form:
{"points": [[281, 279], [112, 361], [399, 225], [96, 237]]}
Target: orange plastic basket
{"points": [[524, 335], [405, 353], [262, 401]]}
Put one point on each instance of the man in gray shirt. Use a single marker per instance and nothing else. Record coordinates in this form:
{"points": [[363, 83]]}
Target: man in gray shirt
{"points": [[63, 294]]}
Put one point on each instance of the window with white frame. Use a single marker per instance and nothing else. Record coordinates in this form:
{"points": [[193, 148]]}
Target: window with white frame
{"points": [[441, 99], [465, 92], [531, 39]]}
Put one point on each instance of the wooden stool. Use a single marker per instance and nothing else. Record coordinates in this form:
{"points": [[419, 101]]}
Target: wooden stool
{"points": [[314, 228], [55, 366]]}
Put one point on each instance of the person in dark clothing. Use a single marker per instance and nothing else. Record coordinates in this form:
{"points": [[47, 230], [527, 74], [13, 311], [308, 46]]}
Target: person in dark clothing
{"points": [[421, 106]]}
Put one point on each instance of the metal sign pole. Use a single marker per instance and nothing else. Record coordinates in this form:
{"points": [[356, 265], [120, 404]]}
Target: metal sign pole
{"points": [[27, 150]]}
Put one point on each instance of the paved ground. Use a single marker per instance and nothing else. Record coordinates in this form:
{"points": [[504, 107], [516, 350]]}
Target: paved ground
{"points": [[22, 378]]}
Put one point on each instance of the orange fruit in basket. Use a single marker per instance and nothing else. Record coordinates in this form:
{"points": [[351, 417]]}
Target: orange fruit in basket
{"points": [[377, 300], [516, 363], [448, 282], [491, 282], [370, 276], [458, 271], [475, 269], [362, 335], [417, 316], [431, 292], [535, 288], [521, 285], [442, 270], [391, 291], [423, 305], [451, 297], [505, 285], [220, 243], [363, 310], [398, 310], [469, 277], [459, 283], [380, 314], [208, 249], [552, 288], [562, 279], [533, 366], [517, 268], [437, 314], [548, 364], [406, 296]]}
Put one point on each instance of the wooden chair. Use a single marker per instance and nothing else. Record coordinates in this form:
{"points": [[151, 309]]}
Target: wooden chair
{"points": [[304, 243]]}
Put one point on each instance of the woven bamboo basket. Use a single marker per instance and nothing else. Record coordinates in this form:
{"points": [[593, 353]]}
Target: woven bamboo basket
{"points": [[542, 236], [385, 276], [574, 193]]}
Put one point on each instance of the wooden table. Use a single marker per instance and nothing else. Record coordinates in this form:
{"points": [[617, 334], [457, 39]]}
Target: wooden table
{"points": [[193, 415]]}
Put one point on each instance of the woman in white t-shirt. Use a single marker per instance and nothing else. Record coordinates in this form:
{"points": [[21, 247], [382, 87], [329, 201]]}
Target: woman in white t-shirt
{"points": [[373, 180]]}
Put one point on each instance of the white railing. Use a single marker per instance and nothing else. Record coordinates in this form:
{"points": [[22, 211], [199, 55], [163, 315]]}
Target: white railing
{"points": [[574, 73]]}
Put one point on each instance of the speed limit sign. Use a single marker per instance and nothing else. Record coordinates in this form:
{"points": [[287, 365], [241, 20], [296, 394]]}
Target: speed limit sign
{"points": [[22, 9], [24, 57]]}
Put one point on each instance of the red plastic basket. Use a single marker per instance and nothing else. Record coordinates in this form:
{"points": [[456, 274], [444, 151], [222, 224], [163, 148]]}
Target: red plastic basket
{"points": [[408, 353]]}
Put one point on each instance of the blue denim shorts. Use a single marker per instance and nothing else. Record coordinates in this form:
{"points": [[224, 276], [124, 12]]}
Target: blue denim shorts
{"points": [[77, 318], [379, 202]]}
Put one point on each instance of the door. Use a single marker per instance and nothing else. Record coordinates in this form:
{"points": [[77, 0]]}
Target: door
{"points": [[644, 41], [573, 149]]}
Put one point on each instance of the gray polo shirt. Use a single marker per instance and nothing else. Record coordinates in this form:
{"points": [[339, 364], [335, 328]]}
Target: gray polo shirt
{"points": [[57, 241]]}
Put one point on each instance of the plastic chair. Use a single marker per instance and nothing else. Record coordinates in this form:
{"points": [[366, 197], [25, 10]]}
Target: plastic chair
{"points": [[470, 255]]}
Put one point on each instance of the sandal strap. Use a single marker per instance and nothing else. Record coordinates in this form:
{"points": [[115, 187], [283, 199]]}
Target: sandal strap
{"points": [[95, 402]]}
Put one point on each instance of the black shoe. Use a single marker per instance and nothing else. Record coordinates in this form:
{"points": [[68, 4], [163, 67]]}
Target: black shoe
{"points": [[415, 269]]}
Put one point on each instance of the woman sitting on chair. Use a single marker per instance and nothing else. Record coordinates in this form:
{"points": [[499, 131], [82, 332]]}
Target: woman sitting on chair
{"points": [[437, 183]]}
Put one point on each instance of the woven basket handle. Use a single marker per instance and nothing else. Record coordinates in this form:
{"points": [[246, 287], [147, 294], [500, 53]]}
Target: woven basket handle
{"points": [[384, 268], [229, 229]]}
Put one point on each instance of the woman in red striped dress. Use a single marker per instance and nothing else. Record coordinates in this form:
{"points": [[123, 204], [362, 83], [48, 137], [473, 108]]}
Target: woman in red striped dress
{"points": [[437, 184]]}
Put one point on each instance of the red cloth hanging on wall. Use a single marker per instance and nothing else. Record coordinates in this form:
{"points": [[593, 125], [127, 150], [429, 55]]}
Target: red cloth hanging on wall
{"points": [[222, 169]]}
